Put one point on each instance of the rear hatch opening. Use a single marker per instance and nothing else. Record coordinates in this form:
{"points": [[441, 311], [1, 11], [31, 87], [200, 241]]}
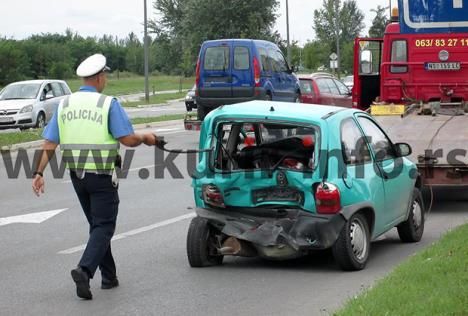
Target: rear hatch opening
{"points": [[267, 146]]}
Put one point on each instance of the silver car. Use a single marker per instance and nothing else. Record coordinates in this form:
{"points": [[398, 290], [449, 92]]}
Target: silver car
{"points": [[27, 104]]}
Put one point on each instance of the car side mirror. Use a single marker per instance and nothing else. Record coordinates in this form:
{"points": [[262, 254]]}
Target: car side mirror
{"points": [[403, 149]]}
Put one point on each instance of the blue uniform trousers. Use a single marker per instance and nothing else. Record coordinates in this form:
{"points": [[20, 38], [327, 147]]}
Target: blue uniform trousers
{"points": [[100, 202]]}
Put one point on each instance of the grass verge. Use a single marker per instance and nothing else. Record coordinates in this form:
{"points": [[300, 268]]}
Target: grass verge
{"points": [[130, 85], [154, 119], [156, 99], [433, 282], [8, 139]]}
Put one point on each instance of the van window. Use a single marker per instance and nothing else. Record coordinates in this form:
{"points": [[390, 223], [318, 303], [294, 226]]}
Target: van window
{"points": [[264, 59], [399, 54], [278, 61], [241, 58], [217, 58]]}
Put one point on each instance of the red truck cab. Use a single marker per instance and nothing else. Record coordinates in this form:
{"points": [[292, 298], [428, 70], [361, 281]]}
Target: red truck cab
{"points": [[411, 69]]}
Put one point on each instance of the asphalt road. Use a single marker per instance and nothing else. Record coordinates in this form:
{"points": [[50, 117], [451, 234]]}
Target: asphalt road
{"points": [[173, 107], [150, 253]]}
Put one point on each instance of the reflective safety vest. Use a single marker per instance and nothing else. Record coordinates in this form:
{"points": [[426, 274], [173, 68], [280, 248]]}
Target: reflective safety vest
{"points": [[85, 141]]}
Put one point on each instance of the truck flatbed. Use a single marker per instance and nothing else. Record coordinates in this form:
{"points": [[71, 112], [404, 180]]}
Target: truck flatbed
{"points": [[439, 143]]}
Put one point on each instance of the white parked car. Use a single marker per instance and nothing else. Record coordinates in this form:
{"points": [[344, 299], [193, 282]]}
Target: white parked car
{"points": [[27, 104]]}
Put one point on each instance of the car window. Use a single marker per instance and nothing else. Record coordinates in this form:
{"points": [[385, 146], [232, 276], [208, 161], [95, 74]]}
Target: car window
{"points": [[47, 92], [323, 86], [241, 58], [56, 89], [20, 91], [65, 89], [264, 59], [380, 144], [306, 87], [341, 87], [331, 86], [217, 58], [353, 144]]}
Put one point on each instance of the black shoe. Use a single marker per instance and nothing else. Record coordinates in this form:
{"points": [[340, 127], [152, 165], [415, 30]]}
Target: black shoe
{"points": [[81, 279], [109, 284]]}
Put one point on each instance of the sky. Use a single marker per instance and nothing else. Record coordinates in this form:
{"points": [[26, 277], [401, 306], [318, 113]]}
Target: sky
{"points": [[21, 19]]}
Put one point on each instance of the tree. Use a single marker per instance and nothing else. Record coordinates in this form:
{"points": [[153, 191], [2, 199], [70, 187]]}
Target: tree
{"points": [[315, 54], [188, 23], [379, 23], [335, 18], [14, 63]]}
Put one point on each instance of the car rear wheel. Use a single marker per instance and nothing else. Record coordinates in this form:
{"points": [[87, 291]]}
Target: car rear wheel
{"points": [[412, 229], [201, 241], [351, 250], [40, 121]]}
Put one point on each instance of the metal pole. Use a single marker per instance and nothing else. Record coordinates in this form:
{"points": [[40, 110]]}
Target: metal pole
{"points": [[287, 32], [337, 31], [146, 53]]}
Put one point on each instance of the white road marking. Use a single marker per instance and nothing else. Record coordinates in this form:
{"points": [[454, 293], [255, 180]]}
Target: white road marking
{"points": [[134, 232], [168, 129], [33, 218]]}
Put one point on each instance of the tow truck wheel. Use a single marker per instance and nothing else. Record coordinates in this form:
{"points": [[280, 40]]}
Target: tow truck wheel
{"points": [[412, 229], [351, 250], [201, 244]]}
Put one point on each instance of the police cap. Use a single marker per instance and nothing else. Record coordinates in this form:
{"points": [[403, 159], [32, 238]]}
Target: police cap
{"points": [[92, 66]]}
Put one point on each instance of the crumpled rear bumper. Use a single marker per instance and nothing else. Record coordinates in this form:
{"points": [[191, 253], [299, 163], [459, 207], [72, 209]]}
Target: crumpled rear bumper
{"points": [[298, 230]]}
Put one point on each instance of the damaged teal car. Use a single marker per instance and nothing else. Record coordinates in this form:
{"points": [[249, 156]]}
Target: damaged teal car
{"points": [[280, 180]]}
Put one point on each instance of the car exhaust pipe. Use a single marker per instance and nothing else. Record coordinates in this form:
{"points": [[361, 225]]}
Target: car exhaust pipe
{"points": [[235, 247]]}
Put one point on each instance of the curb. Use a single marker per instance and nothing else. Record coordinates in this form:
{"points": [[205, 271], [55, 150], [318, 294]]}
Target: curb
{"points": [[152, 105], [38, 143]]}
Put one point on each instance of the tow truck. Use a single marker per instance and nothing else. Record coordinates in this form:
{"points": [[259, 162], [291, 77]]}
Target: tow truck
{"points": [[414, 80]]}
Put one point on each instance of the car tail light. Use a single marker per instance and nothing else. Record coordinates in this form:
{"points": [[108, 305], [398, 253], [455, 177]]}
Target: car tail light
{"points": [[249, 141], [212, 195], [256, 72], [197, 76], [327, 199], [308, 141]]}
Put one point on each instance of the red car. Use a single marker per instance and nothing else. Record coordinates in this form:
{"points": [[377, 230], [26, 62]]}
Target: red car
{"points": [[323, 88]]}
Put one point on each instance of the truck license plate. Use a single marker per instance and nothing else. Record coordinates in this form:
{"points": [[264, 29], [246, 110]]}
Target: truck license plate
{"points": [[443, 66]]}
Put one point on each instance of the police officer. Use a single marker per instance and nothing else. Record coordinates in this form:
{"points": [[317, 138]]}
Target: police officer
{"points": [[89, 127]]}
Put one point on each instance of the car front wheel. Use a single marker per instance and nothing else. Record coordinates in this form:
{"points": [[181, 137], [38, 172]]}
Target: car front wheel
{"points": [[412, 229], [40, 121], [201, 244], [351, 250]]}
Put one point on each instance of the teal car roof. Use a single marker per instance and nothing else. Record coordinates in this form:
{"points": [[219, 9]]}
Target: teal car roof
{"points": [[278, 111]]}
